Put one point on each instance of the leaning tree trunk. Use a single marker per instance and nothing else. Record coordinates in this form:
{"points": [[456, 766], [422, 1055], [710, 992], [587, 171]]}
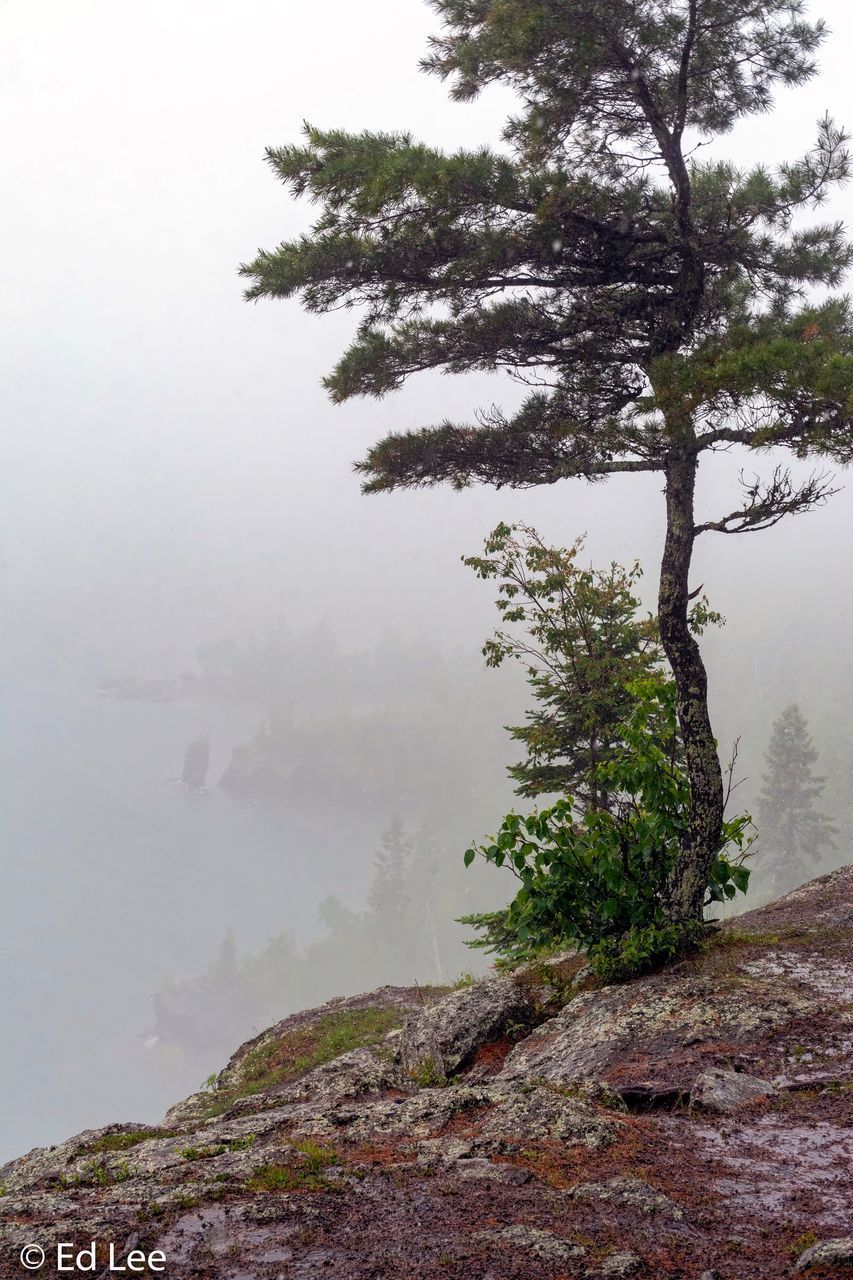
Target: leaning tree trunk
{"points": [[692, 871]]}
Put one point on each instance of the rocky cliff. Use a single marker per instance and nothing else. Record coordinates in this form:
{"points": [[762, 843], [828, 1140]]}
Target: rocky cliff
{"points": [[697, 1123]]}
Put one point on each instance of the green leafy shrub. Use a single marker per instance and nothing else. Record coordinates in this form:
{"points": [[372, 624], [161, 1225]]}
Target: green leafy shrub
{"points": [[600, 879]]}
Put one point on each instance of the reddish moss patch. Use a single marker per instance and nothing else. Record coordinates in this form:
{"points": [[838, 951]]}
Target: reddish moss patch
{"points": [[465, 1124], [380, 1154], [490, 1057]]}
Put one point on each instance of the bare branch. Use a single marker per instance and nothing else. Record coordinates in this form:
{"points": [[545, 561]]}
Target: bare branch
{"points": [[731, 785], [769, 502]]}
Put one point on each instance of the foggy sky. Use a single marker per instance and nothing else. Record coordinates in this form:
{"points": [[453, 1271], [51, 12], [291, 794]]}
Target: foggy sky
{"points": [[172, 469]]}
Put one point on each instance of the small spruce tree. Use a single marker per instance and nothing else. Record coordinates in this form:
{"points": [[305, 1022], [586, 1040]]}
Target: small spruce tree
{"points": [[793, 833], [578, 634]]}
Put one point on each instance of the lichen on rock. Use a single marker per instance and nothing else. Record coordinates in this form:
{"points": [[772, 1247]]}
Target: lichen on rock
{"points": [[834, 1253], [723, 1091], [448, 1033]]}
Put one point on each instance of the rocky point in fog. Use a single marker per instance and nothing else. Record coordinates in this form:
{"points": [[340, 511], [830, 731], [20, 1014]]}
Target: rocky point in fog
{"points": [[693, 1123]]}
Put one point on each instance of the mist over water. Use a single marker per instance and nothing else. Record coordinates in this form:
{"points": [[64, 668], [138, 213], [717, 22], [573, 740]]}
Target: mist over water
{"points": [[117, 879], [175, 478]]}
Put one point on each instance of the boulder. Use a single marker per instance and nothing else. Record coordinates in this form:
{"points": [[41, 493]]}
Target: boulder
{"points": [[540, 1112], [723, 1091], [627, 1192], [439, 1040], [647, 1038]]}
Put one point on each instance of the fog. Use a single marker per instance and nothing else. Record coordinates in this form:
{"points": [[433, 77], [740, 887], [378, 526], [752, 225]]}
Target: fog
{"points": [[179, 507]]}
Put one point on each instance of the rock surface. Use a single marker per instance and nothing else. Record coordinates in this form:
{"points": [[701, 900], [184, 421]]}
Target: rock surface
{"points": [[723, 1091], [444, 1037], [695, 1123], [838, 1252]]}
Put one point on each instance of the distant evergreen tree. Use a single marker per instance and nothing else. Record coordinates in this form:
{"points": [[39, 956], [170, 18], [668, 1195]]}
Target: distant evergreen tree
{"points": [[226, 961], [393, 920], [407, 931], [434, 891], [792, 832], [388, 898]]}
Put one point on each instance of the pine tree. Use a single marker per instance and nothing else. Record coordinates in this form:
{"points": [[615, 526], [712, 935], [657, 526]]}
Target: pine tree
{"points": [[581, 643], [793, 833], [653, 299], [225, 968], [388, 897]]}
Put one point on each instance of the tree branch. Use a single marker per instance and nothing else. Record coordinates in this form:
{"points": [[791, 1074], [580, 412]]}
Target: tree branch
{"points": [[768, 503], [683, 71]]}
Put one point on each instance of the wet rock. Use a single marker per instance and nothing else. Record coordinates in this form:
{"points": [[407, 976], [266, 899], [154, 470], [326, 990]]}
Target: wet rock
{"points": [[417, 1116], [823, 903], [826, 1253], [478, 1167], [441, 1039], [72, 1163], [344, 1070], [649, 1036], [540, 1111], [357, 1168], [542, 1244], [627, 1192], [358, 1072], [433, 1151], [765, 1166], [723, 1091], [621, 1264], [832, 979], [244, 1234]]}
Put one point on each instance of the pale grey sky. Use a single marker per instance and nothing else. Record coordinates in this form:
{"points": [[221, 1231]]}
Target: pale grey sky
{"points": [[171, 467]]}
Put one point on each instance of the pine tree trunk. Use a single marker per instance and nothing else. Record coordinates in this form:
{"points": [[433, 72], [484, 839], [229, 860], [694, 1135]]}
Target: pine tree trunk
{"points": [[692, 872]]}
